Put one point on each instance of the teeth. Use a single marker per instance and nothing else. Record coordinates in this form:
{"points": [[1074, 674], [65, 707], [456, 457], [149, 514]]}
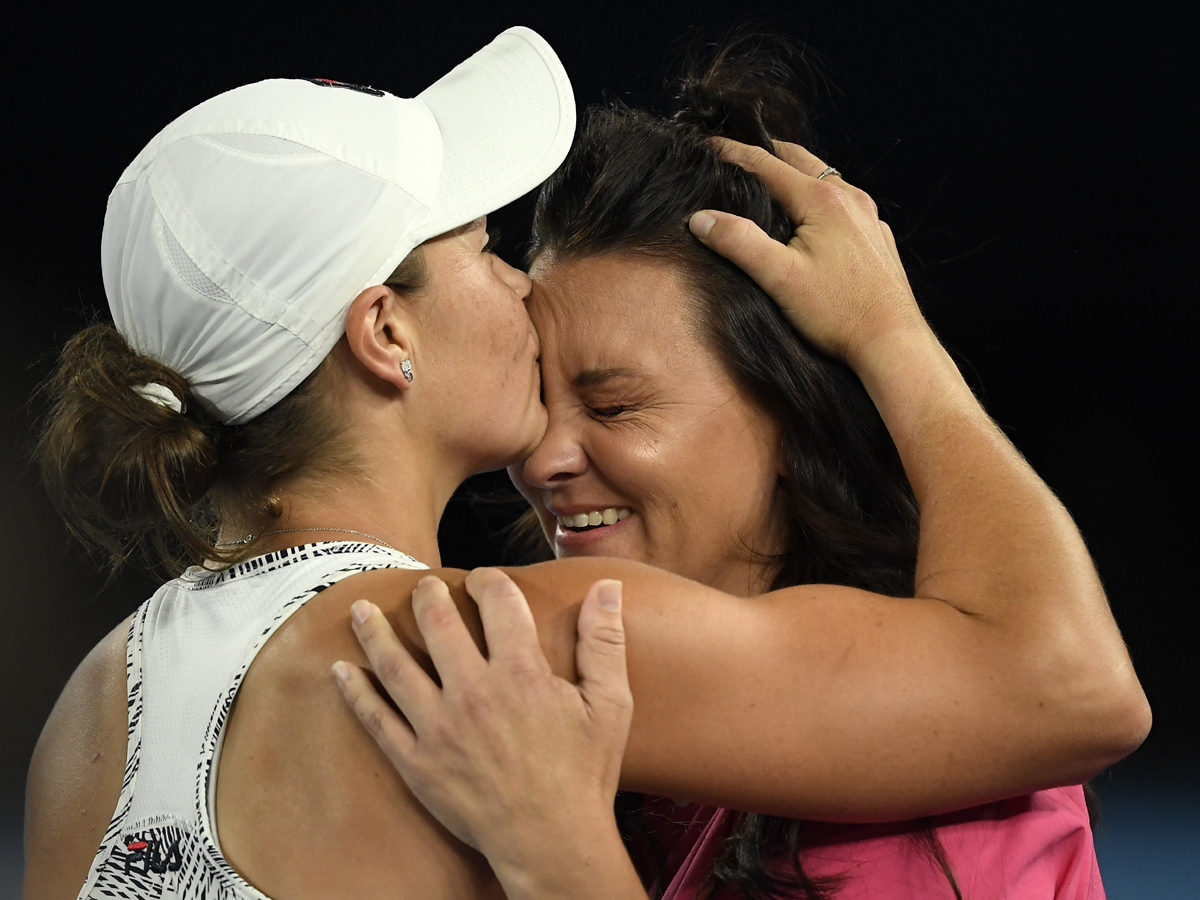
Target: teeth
{"points": [[595, 517]]}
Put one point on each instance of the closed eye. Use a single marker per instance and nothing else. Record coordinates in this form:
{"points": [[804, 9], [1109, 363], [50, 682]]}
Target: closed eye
{"points": [[609, 412]]}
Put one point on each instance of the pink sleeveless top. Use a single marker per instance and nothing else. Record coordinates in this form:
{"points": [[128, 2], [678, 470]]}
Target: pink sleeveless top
{"points": [[1035, 847]]}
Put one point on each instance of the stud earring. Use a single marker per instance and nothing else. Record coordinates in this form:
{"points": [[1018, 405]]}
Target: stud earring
{"points": [[406, 368]]}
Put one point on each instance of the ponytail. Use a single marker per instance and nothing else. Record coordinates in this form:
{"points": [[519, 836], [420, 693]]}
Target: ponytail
{"points": [[130, 473], [121, 468]]}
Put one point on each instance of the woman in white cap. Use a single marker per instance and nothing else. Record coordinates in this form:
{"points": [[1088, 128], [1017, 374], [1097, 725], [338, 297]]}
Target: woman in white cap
{"points": [[288, 400], [271, 319]]}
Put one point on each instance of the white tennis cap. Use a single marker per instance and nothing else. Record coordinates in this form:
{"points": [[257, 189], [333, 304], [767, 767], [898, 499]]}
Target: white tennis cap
{"points": [[235, 242]]}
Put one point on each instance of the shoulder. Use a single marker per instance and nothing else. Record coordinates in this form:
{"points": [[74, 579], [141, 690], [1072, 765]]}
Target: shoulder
{"points": [[308, 805], [76, 773], [553, 589]]}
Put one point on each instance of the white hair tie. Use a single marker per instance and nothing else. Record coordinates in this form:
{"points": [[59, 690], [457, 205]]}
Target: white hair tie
{"points": [[160, 394]]}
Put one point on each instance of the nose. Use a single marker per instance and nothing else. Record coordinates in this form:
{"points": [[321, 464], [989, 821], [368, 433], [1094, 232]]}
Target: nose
{"points": [[558, 458], [514, 278]]}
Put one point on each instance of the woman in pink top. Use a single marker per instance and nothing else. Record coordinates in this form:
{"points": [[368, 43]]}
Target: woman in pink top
{"points": [[1035, 846], [614, 263]]}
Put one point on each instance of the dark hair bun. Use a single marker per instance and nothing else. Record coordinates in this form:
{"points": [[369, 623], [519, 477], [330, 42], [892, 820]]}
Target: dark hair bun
{"points": [[749, 88], [118, 466]]}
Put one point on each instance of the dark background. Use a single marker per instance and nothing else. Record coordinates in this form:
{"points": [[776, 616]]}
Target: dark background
{"points": [[1033, 161]]}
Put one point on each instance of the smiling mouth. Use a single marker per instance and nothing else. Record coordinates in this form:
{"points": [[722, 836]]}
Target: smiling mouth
{"points": [[597, 518]]}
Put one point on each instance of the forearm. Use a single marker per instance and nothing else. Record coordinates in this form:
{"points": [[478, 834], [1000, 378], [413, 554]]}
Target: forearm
{"points": [[985, 514], [995, 543]]}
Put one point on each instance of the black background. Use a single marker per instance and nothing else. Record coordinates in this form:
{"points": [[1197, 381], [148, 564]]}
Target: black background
{"points": [[1033, 160]]}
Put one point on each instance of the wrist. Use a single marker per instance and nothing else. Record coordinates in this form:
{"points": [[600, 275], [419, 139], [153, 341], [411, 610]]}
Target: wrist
{"points": [[900, 364], [887, 330], [581, 859]]}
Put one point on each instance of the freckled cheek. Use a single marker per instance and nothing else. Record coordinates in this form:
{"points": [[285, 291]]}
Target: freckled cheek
{"points": [[511, 336], [502, 341]]}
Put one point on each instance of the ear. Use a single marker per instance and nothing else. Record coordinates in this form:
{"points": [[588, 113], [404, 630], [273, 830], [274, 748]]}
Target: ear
{"points": [[380, 334]]}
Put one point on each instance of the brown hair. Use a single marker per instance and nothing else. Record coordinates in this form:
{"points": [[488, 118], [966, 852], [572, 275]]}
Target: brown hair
{"points": [[132, 477]]}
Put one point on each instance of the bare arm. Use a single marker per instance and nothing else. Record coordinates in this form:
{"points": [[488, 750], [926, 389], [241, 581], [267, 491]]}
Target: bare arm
{"points": [[76, 772], [1014, 606], [1004, 674], [822, 702]]}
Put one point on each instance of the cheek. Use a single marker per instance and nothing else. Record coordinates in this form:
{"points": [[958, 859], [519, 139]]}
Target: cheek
{"points": [[495, 352], [510, 332], [494, 323], [721, 476], [639, 466]]}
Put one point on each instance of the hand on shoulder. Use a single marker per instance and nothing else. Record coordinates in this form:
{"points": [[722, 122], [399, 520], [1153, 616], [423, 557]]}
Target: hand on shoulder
{"points": [[511, 758]]}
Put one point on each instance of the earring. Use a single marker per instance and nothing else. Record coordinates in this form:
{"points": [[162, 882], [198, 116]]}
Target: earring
{"points": [[406, 368]]}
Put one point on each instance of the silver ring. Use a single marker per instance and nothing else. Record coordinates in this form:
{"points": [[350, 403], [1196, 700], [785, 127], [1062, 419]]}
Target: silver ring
{"points": [[829, 170]]}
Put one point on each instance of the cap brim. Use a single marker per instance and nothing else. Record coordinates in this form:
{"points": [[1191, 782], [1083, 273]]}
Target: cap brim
{"points": [[507, 118]]}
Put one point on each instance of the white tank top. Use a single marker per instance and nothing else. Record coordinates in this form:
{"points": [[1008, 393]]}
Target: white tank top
{"points": [[189, 648]]}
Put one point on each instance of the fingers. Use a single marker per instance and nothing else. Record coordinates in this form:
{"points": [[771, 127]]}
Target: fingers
{"points": [[451, 647], [392, 733], [747, 246], [798, 191], [600, 651], [792, 177], [800, 158], [404, 680], [508, 624]]}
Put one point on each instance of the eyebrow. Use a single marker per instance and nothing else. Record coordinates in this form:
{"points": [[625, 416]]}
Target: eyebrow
{"points": [[593, 377]]}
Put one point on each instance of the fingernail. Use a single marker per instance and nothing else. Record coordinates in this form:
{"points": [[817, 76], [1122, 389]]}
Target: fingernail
{"points": [[341, 671], [702, 223], [610, 595], [360, 611]]}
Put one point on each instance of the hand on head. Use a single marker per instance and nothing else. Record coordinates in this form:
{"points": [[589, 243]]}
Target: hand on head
{"points": [[839, 279]]}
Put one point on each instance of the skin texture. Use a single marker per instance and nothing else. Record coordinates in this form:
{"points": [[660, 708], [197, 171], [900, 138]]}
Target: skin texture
{"points": [[903, 691], [642, 415], [76, 772]]}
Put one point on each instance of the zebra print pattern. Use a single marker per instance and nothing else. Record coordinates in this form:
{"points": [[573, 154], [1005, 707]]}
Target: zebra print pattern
{"points": [[163, 857]]}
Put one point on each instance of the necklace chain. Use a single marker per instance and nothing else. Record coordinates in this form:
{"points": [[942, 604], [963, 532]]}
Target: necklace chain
{"points": [[248, 538]]}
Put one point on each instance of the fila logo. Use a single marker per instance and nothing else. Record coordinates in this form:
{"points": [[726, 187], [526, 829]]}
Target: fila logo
{"points": [[149, 852], [361, 88]]}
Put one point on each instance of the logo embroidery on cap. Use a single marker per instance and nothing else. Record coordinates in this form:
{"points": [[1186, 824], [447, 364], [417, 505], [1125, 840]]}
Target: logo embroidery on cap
{"points": [[361, 88]]}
